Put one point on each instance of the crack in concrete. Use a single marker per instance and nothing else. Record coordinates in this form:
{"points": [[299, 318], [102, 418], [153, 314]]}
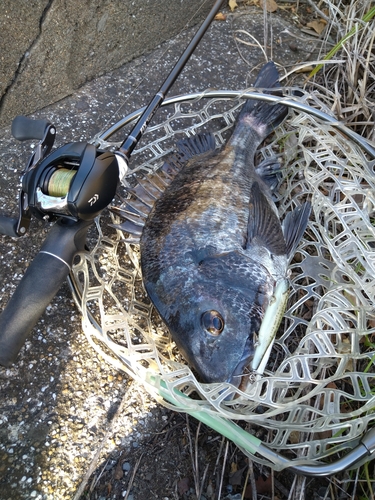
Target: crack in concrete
{"points": [[20, 65]]}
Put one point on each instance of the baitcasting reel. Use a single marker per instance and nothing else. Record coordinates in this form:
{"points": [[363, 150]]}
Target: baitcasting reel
{"points": [[76, 181]]}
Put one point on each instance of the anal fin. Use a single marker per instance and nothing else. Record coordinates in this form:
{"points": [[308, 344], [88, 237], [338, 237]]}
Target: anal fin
{"points": [[294, 225], [264, 227]]}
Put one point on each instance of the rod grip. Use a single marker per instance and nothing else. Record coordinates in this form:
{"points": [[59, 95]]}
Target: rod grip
{"points": [[39, 285], [42, 280]]}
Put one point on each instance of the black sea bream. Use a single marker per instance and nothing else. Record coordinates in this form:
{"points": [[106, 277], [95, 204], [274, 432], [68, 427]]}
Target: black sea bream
{"points": [[214, 254]]}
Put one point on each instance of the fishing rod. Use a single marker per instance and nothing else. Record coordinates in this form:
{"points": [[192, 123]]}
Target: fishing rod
{"points": [[70, 186], [127, 147]]}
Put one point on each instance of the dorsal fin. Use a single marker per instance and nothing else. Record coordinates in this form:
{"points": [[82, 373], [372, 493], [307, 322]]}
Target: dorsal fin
{"points": [[136, 209], [196, 145]]}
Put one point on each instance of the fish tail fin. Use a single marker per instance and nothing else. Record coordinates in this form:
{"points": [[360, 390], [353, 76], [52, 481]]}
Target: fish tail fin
{"points": [[262, 116]]}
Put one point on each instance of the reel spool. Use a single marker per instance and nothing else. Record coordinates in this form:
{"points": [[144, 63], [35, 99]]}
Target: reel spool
{"points": [[315, 400], [58, 181]]}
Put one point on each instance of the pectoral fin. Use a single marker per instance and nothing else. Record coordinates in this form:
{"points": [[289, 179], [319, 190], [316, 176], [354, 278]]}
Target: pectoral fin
{"points": [[269, 170]]}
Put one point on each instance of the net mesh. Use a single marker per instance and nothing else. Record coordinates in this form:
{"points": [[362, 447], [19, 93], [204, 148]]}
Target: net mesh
{"points": [[316, 396]]}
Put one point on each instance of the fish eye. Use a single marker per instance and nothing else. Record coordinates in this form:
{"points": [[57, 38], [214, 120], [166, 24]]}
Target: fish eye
{"points": [[213, 322]]}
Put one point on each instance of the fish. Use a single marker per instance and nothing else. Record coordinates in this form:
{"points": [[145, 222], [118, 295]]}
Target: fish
{"points": [[214, 253]]}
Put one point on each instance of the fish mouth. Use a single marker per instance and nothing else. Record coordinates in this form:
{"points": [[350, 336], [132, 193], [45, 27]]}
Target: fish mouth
{"points": [[242, 372], [243, 380]]}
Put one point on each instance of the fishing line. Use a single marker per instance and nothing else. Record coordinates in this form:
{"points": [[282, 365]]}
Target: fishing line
{"points": [[153, 66]]}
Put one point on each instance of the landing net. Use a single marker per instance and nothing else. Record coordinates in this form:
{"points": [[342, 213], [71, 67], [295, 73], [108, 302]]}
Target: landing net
{"points": [[316, 397]]}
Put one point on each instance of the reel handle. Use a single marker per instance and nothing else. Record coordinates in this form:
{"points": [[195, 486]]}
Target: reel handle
{"points": [[41, 282], [8, 226], [24, 128]]}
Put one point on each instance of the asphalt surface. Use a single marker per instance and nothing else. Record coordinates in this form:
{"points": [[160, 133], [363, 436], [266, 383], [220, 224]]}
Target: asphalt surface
{"points": [[59, 399]]}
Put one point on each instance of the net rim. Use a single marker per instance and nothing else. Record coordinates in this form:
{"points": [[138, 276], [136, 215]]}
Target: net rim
{"points": [[291, 101]]}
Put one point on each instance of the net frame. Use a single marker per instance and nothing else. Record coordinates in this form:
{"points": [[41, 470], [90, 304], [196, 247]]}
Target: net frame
{"points": [[315, 398]]}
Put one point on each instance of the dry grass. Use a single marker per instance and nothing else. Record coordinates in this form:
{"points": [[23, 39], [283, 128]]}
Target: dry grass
{"points": [[349, 86]]}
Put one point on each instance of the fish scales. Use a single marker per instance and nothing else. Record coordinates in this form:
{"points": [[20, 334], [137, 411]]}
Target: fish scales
{"points": [[213, 250], [196, 200]]}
